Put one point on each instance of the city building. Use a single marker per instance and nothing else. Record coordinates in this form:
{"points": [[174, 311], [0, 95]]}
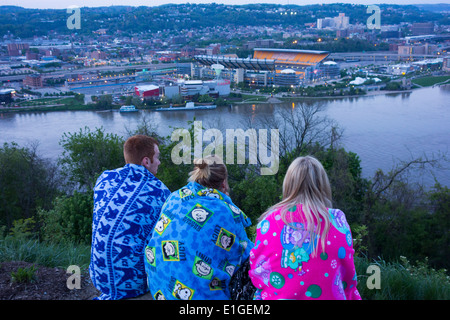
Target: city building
{"points": [[213, 88], [171, 91], [336, 23], [97, 55], [425, 28], [261, 43], [147, 91], [15, 49], [400, 69], [446, 64], [33, 80], [329, 70], [6, 95], [428, 64], [417, 49]]}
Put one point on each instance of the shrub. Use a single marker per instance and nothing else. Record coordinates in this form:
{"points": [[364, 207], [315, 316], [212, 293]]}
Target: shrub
{"points": [[70, 220], [24, 275], [403, 281]]}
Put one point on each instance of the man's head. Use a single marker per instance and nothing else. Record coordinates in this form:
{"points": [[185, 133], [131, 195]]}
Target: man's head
{"points": [[142, 150]]}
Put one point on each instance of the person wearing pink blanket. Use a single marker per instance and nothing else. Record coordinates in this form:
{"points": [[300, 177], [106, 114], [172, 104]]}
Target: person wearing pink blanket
{"points": [[303, 248]]}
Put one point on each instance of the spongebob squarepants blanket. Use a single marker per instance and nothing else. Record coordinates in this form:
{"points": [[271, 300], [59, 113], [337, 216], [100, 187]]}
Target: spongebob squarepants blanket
{"points": [[197, 244], [127, 204]]}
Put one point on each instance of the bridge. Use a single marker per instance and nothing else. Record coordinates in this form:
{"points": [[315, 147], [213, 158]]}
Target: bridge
{"points": [[377, 56]]}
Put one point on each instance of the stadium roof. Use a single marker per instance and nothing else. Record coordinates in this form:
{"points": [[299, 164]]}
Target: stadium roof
{"points": [[291, 56], [266, 59], [292, 50], [236, 63]]}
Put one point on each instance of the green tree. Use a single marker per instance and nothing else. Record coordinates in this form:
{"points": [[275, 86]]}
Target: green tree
{"points": [[88, 153], [105, 102], [27, 182], [70, 219]]}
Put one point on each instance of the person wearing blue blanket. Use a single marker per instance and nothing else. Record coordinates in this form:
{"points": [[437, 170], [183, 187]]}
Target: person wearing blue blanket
{"points": [[127, 204], [199, 240]]}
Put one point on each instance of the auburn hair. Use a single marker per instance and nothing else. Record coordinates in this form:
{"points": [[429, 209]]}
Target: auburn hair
{"points": [[138, 147]]}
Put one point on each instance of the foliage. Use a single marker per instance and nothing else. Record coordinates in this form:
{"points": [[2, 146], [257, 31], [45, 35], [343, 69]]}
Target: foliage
{"points": [[87, 154], [25, 23], [255, 194], [104, 102], [44, 253], [403, 281], [24, 275], [23, 228], [27, 181], [205, 98], [175, 176], [359, 233], [70, 220]]}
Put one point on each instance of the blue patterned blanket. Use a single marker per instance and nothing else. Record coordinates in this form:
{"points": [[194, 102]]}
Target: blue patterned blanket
{"points": [[127, 204], [198, 243]]}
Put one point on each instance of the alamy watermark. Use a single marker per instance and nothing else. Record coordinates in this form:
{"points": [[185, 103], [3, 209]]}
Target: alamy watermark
{"points": [[374, 21], [74, 281], [260, 150], [374, 280], [74, 21]]}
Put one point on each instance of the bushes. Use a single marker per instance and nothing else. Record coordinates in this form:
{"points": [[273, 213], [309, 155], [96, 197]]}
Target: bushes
{"points": [[44, 253], [27, 181], [87, 154], [402, 280], [70, 219]]}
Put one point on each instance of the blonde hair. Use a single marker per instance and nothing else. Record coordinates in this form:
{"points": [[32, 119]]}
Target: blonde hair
{"points": [[306, 183], [210, 172]]}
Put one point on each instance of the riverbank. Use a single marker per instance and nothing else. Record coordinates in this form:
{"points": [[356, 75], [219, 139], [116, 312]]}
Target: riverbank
{"points": [[368, 94], [249, 98]]}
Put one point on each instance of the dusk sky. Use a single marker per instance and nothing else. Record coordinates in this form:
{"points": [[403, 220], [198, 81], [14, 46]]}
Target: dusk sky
{"points": [[61, 4]]}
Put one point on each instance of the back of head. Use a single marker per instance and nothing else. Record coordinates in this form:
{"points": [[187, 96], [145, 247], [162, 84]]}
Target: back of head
{"points": [[138, 147], [210, 172], [306, 183], [306, 180]]}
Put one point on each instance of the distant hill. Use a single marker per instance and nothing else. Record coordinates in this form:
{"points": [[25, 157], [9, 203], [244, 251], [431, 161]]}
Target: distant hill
{"points": [[26, 23], [441, 7]]}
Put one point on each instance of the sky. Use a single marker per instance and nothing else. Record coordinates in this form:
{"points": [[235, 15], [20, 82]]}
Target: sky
{"points": [[62, 4]]}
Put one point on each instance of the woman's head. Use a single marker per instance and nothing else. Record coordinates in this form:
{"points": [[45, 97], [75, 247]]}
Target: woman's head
{"points": [[306, 179], [210, 172], [306, 183]]}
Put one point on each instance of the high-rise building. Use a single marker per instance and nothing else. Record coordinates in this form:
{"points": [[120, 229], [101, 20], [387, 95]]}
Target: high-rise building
{"points": [[425, 28], [15, 49], [336, 23]]}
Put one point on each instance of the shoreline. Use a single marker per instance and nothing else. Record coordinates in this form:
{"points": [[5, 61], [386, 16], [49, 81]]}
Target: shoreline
{"points": [[269, 100]]}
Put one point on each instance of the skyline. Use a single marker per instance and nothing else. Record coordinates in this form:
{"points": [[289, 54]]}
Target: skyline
{"points": [[62, 4]]}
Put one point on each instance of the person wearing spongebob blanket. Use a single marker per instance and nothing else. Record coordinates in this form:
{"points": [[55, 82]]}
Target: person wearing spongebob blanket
{"points": [[294, 256], [199, 240]]}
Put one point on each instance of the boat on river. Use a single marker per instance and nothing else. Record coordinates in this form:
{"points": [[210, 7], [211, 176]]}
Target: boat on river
{"points": [[188, 106], [128, 109]]}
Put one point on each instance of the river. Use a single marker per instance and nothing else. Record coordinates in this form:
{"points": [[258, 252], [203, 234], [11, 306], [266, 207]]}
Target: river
{"points": [[382, 129]]}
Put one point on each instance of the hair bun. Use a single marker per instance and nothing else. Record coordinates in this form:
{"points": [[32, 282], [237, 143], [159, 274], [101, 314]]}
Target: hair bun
{"points": [[200, 163]]}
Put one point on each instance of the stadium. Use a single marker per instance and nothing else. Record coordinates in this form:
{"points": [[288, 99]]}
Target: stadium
{"points": [[267, 67]]}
